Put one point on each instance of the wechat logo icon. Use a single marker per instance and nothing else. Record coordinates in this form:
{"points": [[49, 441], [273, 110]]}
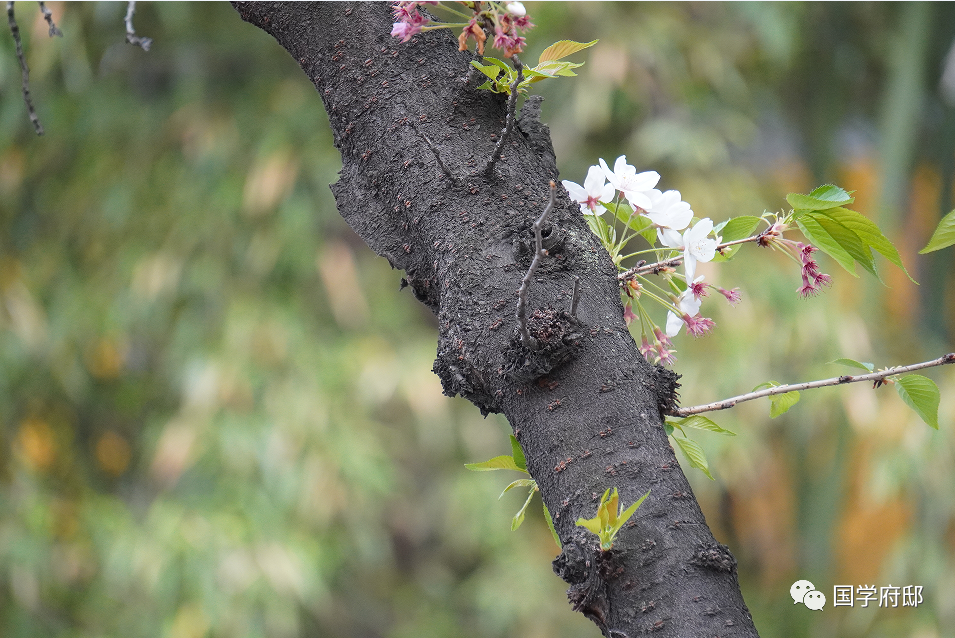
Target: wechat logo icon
{"points": [[805, 592]]}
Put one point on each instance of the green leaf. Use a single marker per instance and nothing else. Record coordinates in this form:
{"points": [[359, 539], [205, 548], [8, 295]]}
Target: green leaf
{"points": [[822, 198], [780, 403], [490, 71], [550, 525], [518, 454], [591, 524], [500, 63], [818, 236], [519, 517], [519, 483], [852, 363], [921, 394], [848, 240], [562, 49], [622, 519], [503, 462], [639, 223], [738, 228], [944, 235], [694, 454], [700, 422], [869, 233]]}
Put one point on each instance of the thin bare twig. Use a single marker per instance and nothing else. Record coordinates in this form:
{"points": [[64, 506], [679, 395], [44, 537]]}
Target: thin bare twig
{"points": [[529, 342], [783, 389], [509, 120], [131, 37], [15, 30], [48, 16], [643, 268]]}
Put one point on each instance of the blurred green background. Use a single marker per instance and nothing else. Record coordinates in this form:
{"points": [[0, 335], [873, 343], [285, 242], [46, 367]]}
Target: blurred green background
{"points": [[216, 408]]}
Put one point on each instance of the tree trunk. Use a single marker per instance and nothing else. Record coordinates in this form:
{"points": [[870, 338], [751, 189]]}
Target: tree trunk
{"points": [[415, 135]]}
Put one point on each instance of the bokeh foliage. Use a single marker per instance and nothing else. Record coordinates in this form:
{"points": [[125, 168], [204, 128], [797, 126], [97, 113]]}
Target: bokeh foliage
{"points": [[217, 411]]}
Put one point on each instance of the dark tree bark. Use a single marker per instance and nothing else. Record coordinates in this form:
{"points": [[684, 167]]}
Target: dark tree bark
{"points": [[585, 405]]}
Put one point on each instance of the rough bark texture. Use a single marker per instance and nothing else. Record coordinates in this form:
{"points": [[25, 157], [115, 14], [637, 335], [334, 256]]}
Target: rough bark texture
{"points": [[585, 405]]}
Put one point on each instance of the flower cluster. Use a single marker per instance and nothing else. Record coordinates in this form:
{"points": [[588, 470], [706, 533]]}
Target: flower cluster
{"points": [[812, 279], [671, 218], [408, 21], [506, 20]]}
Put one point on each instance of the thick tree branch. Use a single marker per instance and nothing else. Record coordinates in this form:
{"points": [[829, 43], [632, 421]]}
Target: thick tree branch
{"points": [[585, 406]]}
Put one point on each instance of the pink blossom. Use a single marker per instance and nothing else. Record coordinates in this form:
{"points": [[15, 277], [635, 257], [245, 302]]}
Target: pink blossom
{"points": [[698, 326], [628, 315], [732, 296], [698, 288]]}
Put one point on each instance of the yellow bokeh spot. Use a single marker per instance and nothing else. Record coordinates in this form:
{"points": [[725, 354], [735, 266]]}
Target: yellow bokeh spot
{"points": [[113, 453], [37, 443]]}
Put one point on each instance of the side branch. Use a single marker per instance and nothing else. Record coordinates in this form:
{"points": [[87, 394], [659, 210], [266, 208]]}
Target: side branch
{"points": [[131, 37], [509, 120], [783, 389], [643, 268], [25, 70], [539, 252]]}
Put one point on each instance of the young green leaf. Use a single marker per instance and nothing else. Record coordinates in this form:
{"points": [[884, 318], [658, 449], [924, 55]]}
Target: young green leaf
{"points": [[519, 483], [490, 70], [848, 240], [818, 236], [503, 462], [869, 233], [518, 454], [855, 364], [694, 454], [700, 422], [822, 198], [519, 517], [921, 394], [562, 49], [780, 403], [627, 513], [738, 228], [944, 235], [550, 525]]}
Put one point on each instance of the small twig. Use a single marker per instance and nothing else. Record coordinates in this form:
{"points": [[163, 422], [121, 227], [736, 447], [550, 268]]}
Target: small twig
{"points": [[783, 389], [575, 297], [509, 120], [15, 30], [539, 252], [131, 36], [48, 16], [643, 268], [437, 154]]}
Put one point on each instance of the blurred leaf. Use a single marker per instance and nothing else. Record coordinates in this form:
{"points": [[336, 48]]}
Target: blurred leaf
{"points": [[944, 235], [562, 49], [921, 394], [780, 403], [869, 367], [503, 462]]}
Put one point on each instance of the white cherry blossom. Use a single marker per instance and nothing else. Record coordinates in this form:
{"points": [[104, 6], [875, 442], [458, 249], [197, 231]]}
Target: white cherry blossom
{"points": [[696, 245], [594, 191], [632, 184]]}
